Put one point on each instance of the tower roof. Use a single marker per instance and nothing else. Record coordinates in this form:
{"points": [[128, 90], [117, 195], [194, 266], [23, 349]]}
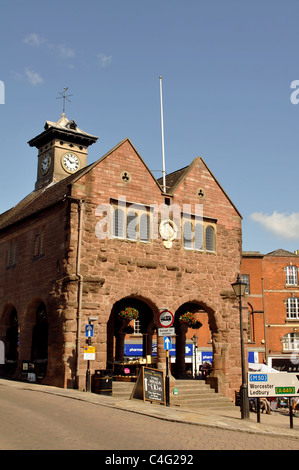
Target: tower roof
{"points": [[63, 129]]}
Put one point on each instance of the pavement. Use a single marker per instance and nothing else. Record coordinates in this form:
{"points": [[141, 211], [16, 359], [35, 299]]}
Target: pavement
{"points": [[277, 423]]}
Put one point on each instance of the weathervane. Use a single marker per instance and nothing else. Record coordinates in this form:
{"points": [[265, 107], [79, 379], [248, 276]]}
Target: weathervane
{"points": [[65, 97]]}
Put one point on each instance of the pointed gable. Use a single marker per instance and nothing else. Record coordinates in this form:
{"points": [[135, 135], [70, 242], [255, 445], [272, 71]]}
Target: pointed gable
{"points": [[197, 184], [120, 172]]}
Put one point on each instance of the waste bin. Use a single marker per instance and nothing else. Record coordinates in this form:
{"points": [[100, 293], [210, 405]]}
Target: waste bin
{"points": [[101, 382]]}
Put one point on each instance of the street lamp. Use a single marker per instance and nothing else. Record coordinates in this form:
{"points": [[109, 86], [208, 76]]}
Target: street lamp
{"points": [[194, 339], [239, 290]]}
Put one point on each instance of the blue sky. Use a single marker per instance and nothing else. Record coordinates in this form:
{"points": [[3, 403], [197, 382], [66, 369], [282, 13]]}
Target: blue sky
{"points": [[227, 69]]}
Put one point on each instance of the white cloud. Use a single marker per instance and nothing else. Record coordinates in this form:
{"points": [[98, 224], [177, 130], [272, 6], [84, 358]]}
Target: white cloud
{"points": [[62, 50], [33, 39], [33, 77], [280, 224], [104, 60]]}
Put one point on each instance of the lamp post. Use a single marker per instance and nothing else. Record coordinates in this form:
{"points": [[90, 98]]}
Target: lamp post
{"points": [[239, 290], [194, 339]]}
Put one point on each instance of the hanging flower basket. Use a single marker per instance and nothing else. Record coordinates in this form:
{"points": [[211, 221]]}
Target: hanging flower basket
{"points": [[189, 319], [129, 313]]}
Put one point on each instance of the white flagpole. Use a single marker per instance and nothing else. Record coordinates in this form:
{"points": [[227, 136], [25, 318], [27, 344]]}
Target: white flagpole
{"points": [[162, 133]]}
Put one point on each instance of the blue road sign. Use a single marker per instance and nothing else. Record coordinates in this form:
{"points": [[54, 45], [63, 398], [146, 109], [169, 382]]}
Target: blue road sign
{"points": [[89, 331], [167, 343]]}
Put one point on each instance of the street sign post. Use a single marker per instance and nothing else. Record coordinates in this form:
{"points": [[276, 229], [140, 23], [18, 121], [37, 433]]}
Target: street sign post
{"points": [[167, 343], [280, 384], [166, 318], [166, 331], [273, 384], [89, 331]]}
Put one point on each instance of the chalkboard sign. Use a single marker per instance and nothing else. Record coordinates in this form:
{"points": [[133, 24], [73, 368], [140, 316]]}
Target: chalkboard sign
{"points": [[150, 385]]}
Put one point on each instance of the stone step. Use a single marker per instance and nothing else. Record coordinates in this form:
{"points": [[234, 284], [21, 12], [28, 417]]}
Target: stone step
{"points": [[198, 394]]}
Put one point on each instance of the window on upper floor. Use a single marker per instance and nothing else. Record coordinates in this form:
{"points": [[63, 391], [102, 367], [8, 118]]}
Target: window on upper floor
{"points": [[210, 238], [38, 244], [198, 236], [290, 342], [245, 278], [293, 308], [291, 275], [12, 254], [131, 224]]}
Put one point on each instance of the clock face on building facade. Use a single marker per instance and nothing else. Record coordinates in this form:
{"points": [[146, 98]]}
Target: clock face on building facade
{"points": [[45, 164], [70, 162]]}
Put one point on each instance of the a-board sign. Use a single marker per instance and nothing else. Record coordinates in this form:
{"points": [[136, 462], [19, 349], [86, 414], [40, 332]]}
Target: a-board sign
{"points": [[150, 385], [273, 384]]}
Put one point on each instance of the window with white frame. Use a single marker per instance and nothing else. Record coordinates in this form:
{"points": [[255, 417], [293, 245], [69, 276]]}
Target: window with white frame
{"points": [[137, 330], [290, 342], [291, 275], [245, 278], [293, 308]]}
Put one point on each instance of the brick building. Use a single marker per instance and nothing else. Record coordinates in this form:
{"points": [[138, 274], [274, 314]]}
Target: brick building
{"points": [[93, 240], [273, 308]]}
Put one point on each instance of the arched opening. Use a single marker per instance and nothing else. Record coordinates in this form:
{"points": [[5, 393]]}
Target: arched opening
{"points": [[194, 341], [9, 334], [39, 348], [12, 338], [130, 339]]}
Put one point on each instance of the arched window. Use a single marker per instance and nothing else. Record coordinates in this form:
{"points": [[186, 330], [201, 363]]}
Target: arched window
{"points": [[144, 232], [118, 223], [210, 238], [198, 237], [291, 275], [188, 235], [293, 308], [132, 221]]}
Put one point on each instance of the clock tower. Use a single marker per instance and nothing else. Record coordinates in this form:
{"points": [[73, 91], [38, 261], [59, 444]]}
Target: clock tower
{"points": [[62, 150]]}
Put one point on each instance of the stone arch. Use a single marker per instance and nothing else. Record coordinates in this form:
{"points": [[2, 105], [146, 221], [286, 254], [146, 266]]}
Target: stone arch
{"points": [[9, 335], [195, 307], [117, 329], [34, 334]]}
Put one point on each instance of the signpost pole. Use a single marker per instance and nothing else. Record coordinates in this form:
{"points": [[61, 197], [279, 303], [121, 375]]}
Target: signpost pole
{"points": [[88, 370], [291, 412], [167, 379], [258, 410]]}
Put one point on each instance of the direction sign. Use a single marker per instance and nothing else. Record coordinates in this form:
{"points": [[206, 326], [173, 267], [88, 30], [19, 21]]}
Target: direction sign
{"points": [[167, 343], [273, 384], [89, 331], [166, 319]]}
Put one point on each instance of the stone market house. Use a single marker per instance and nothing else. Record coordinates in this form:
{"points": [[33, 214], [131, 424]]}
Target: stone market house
{"points": [[93, 240]]}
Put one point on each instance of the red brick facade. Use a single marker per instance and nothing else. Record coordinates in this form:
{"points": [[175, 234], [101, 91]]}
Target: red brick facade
{"points": [[63, 266], [273, 307]]}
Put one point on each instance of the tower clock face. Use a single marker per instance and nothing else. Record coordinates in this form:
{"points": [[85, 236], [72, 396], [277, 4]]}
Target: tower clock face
{"points": [[45, 164], [70, 162]]}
